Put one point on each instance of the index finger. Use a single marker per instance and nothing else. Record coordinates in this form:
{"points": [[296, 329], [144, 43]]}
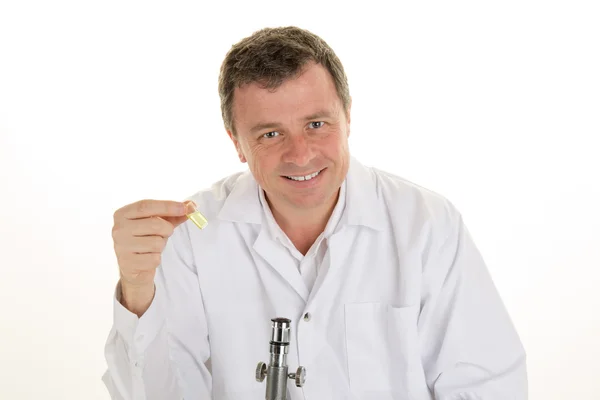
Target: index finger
{"points": [[149, 208]]}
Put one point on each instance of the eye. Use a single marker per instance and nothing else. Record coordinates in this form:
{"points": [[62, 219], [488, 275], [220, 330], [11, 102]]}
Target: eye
{"points": [[318, 122], [269, 135]]}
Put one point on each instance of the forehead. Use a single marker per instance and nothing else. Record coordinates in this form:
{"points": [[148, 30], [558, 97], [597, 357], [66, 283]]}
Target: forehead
{"points": [[313, 90]]}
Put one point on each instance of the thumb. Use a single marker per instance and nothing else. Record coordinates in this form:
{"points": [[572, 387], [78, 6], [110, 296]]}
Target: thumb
{"points": [[190, 208]]}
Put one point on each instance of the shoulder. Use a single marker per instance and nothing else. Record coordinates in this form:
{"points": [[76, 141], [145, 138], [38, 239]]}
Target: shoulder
{"points": [[403, 192], [411, 207]]}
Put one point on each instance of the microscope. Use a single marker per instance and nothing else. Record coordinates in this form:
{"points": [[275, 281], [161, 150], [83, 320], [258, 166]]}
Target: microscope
{"points": [[276, 372]]}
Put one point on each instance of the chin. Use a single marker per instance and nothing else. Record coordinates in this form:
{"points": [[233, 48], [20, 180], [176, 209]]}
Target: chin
{"points": [[310, 202]]}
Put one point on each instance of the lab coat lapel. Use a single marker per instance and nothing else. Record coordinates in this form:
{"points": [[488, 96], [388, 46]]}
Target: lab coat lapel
{"points": [[364, 214], [275, 255], [243, 206], [338, 254]]}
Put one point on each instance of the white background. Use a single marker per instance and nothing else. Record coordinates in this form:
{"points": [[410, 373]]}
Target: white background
{"points": [[495, 105]]}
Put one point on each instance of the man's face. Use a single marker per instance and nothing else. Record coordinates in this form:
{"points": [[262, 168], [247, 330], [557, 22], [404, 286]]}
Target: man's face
{"points": [[297, 130]]}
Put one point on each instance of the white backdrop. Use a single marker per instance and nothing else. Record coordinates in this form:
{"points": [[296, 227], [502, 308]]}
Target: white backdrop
{"points": [[495, 105]]}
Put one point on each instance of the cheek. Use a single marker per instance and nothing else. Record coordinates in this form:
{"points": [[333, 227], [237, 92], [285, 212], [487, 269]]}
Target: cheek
{"points": [[336, 143], [260, 159], [256, 155], [268, 163]]}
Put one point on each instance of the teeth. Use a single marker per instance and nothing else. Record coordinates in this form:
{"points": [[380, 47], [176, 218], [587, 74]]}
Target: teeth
{"points": [[303, 178]]}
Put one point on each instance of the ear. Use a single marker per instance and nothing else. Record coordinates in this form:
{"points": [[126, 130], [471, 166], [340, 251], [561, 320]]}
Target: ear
{"points": [[238, 148]]}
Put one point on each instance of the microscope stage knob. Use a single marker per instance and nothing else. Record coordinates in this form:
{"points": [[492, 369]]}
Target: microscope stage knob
{"points": [[261, 371], [300, 376]]}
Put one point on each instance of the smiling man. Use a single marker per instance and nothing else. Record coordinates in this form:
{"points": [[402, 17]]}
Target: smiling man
{"points": [[386, 291], [295, 141]]}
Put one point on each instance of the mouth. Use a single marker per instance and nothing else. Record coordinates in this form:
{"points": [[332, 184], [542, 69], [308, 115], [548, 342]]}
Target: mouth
{"points": [[303, 178]]}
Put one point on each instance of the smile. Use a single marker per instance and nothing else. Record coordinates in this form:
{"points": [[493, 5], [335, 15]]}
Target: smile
{"points": [[304, 177]]}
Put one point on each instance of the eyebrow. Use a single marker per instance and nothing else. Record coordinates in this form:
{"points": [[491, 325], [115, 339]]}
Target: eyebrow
{"points": [[270, 125]]}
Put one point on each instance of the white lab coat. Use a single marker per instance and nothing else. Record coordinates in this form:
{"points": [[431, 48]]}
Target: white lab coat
{"points": [[405, 309]]}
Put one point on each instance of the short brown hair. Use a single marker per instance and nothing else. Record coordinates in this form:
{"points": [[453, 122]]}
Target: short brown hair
{"points": [[269, 57]]}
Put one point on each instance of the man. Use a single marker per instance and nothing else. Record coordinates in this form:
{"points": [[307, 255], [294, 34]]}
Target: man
{"points": [[388, 296]]}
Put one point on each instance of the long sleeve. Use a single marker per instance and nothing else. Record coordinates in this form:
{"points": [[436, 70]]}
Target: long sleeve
{"points": [[164, 354], [470, 348]]}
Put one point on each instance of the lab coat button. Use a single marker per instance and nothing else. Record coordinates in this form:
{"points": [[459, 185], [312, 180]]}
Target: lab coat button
{"points": [[307, 317]]}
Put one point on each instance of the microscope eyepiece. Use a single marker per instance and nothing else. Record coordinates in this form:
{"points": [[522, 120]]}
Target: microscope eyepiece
{"points": [[280, 331]]}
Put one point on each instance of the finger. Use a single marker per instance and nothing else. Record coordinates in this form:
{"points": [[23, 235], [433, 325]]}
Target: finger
{"points": [[150, 226], [142, 262], [148, 208], [190, 206], [142, 245], [176, 221]]}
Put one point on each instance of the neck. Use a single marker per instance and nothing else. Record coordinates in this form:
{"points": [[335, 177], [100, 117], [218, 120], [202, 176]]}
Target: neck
{"points": [[304, 227]]}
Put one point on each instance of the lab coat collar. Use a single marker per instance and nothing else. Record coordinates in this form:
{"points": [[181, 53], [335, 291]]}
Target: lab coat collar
{"points": [[363, 206], [277, 233]]}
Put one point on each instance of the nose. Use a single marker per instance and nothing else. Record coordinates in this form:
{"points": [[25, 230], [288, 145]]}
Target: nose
{"points": [[298, 150]]}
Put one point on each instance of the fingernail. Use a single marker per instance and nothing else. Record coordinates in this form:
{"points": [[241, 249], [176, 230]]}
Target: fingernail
{"points": [[189, 207]]}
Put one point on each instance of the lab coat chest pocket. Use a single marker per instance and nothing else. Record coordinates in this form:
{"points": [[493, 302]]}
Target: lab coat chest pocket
{"points": [[382, 348]]}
